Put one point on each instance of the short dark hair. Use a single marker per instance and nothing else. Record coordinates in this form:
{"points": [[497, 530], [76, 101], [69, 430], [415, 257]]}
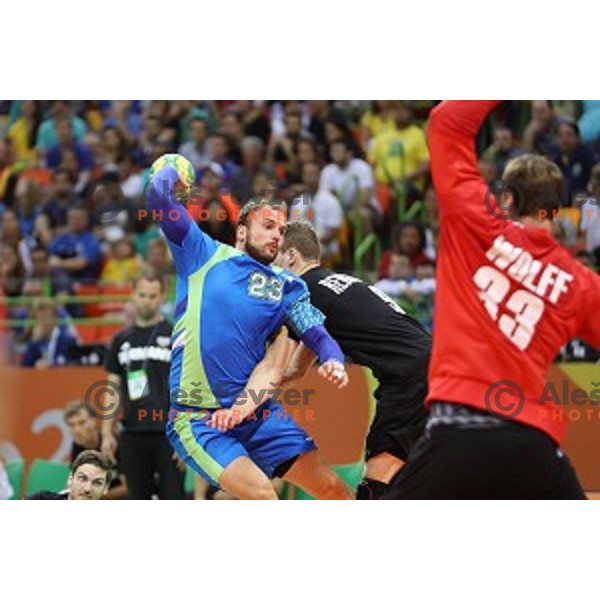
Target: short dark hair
{"points": [[92, 457], [74, 407], [303, 238], [259, 202], [151, 277]]}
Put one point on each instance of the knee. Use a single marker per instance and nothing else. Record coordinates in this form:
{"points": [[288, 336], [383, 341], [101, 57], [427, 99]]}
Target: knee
{"points": [[263, 492]]}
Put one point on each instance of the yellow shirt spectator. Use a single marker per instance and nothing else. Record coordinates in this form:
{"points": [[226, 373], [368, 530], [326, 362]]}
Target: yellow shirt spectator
{"points": [[123, 266], [396, 155], [19, 136]]}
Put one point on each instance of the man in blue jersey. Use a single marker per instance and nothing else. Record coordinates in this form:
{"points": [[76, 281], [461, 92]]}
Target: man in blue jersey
{"points": [[230, 305]]}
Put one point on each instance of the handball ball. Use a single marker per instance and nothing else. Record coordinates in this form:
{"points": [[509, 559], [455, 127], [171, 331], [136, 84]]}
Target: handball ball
{"points": [[182, 165]]}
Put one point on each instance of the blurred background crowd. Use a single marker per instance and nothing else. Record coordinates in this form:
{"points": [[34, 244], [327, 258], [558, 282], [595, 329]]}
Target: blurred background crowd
{"points": [[74, 236]]}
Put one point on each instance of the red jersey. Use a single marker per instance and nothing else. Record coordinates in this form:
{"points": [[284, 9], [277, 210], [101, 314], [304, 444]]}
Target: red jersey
{"points": [[508, 296]]}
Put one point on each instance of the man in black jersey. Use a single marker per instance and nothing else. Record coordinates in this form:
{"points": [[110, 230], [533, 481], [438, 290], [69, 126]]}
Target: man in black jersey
{"points": [[138, 364], [374, 332], [88, 480]]}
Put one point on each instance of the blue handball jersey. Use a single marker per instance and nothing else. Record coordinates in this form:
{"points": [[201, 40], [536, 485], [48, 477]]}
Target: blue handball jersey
{"points": [[228, 307]]}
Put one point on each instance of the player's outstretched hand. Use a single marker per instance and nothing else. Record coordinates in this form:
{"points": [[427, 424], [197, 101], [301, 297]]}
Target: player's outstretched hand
{"points": [[335, 372], [225, 419]]}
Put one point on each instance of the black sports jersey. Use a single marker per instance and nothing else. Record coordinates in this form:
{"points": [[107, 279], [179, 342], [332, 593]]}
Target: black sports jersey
{"points": [[141, 356], [370, 327]]}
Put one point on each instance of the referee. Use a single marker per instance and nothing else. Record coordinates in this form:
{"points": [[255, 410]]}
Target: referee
{"points": [[376, 333], [138, 364]]}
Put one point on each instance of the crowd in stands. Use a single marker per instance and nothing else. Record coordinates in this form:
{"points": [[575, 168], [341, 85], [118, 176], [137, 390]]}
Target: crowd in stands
{"points": [[73, 174]]}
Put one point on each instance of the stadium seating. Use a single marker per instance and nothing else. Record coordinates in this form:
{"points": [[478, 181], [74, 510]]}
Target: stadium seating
{"points": [[46, 475]]}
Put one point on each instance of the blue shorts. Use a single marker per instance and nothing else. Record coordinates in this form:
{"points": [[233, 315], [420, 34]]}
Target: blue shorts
{"points": [[269, 438]]}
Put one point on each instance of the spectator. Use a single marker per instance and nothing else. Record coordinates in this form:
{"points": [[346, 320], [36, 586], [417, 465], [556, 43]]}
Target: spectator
{"points": [[219, 147], [123, 265], [502, 149], [86, 435], [378, 119], [253, 151], [400, 156], [319, 112], [322, 210], [574, 159], [159, 260], [88, 480], [51, 281], [76, 251], [408, 239], [8, 173], [337, 130], [12, 235], [590, 216], [231, 127], [197, 150], [215, 212], [253, 119], [539, 135], [47, 136], [113, 146], [283, 149], [23, 132], [67, 147], [62, 198], [131, 182], [351, 181], [12, 271], [50, 344]]}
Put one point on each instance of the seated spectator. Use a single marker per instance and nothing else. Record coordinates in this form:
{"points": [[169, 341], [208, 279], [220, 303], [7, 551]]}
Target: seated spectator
{"points": [[197, 150], [51, 281], [88, 480], [351, 181], [219, 147], [113, 146], [283, 149], [47, 135], [23, 132], [130, 180], [574, 159], [378, 119], [77, 251], [215, 212], [400, 156], [409, 239], [400, 275], [11, 234], [502, 149], [231, 127], [322, 210], [8, 173], [86, 435], [123, 265], [51, 344], [253, 119], [337, 130], [12, 271], [159, 260], [253, 151], [590, 216], [589, 122], [539, 135], [67, 141], [62, 198]]}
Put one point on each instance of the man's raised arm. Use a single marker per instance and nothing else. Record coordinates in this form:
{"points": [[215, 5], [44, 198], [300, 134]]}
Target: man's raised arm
{"points": [[452, 130]]}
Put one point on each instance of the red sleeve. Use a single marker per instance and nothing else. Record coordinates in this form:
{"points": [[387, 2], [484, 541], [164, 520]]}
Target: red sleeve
{"points": [[452, 130]]}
